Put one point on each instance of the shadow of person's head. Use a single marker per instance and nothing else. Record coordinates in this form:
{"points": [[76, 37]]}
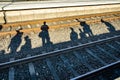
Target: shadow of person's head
{"points": [[71, 29], [18, 31], [102, 21], [44, 22], [82, 23], [26, 38], [1, 27]]}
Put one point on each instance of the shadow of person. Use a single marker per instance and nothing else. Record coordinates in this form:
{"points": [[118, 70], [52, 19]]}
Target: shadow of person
{"points": [[15, 41], [73, 35], [82, 34], [110, 27], [86, 28], [1, 27], [44, 34], [27, 46]]}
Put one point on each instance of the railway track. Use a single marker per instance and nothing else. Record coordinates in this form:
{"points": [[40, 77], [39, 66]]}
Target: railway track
{"points": [[48, 48], [64, 63], [33, 26], [108, 72], [53, 24]]}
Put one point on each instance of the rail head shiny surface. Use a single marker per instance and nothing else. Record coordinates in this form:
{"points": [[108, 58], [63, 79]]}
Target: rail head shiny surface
{"points": [[96, 71]]}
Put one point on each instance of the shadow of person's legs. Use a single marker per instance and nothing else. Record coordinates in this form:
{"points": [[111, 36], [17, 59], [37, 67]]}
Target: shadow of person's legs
{"points": [[15, 42], [44, 35]]}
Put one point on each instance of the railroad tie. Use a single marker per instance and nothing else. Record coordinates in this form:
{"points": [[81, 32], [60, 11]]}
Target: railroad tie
{"points": [[107, 53], [69, 67], [117, 42], [32, 70], [91, 53], [83, 60], [113, 47], [53, 71], [11, 71]]}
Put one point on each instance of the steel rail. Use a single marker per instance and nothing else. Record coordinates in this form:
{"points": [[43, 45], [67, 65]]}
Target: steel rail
{"points": [[58, 26], [54, 53], [97, 71]]}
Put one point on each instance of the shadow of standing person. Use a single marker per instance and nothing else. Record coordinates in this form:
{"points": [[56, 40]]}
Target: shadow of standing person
{"points": [[27, 46], [110, 27], [44, 34], [86, 28], [73, 35], [15, 41]]}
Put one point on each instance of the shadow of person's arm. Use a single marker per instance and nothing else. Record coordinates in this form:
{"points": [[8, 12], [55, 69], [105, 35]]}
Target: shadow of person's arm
{"points": [[77, 20], [40, 34]]}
